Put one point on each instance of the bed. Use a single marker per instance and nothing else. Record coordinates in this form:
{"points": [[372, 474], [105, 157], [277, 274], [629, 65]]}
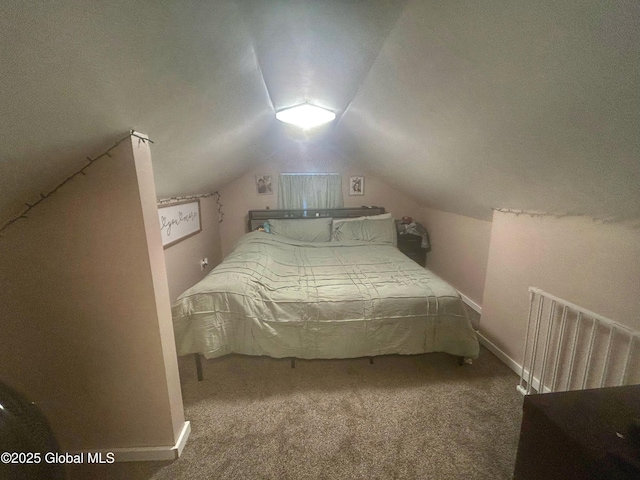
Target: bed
{"points": [[348, 296]]}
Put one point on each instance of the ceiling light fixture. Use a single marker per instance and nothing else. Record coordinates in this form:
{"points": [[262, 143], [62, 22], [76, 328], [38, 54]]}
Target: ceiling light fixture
{"points": [[305, 116]]}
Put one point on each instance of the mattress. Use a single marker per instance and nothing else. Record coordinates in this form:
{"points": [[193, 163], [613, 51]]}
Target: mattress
{"points": [[285, 298]]}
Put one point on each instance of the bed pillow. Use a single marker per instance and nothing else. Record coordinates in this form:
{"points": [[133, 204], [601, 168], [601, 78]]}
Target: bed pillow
{"points": [[337, 222], [367, 229], [346, 230], [303, 229], [370, 217], [380, 230]]}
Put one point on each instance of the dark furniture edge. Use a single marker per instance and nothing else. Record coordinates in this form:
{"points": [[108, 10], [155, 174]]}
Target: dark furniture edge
{"points": [[258, 217]]}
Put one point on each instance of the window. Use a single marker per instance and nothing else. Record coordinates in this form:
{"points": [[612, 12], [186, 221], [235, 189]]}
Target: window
{"points": [[310, 190]]}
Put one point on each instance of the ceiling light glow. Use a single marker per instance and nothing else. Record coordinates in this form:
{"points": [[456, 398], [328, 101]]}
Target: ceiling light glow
{"points": [[305, 116]]}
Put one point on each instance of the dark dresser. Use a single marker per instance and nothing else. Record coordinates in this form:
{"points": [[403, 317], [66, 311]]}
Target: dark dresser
{"points": [[579, 435]]}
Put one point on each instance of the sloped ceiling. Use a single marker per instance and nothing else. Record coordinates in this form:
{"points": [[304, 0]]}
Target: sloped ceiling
{"points": [[465, 105], [522, 105]]}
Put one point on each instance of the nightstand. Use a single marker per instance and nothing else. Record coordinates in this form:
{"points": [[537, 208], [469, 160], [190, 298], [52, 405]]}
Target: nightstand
{"points": [[411, 246]]}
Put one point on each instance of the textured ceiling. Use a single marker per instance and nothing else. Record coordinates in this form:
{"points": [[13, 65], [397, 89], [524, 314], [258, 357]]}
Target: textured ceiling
{"points": [[466, 105]]}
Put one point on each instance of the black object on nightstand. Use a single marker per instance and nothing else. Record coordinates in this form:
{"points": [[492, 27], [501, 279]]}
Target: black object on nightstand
{"points": [[411, 245]]}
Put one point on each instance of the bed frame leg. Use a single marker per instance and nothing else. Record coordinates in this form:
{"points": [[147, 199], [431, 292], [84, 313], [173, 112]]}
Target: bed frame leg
{"points": [[293, 363], [370, 360], [198, 366], [464, 361]]}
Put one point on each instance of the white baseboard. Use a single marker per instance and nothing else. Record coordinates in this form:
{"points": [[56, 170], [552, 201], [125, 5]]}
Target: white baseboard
{"points": [[148, 454], [471, 303], [503, 357], [510, 362], [506, 359]]}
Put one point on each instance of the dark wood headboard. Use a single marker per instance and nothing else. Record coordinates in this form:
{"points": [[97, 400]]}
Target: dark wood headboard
{"points": [[258, 217]]}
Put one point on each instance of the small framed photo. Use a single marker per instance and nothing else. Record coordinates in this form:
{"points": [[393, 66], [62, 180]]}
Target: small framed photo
{"points": [[356, 186], [263, 185]]}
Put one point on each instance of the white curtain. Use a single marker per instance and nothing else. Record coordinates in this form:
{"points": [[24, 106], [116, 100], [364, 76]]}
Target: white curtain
{"points": [[300, 191]]}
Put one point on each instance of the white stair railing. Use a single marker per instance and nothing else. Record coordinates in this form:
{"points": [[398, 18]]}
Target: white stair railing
{"points": [[568, 347]]}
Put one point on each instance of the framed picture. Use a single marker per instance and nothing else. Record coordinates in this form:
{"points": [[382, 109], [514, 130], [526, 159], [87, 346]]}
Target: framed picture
{"points": [[356, 186], [178, 221], [263, 185]]}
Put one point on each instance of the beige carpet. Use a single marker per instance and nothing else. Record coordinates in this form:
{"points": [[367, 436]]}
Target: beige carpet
{"points": [[404, 417]]}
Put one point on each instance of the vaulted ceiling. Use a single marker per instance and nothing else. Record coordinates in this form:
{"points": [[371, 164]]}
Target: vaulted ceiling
{"points": [[465, 105]]}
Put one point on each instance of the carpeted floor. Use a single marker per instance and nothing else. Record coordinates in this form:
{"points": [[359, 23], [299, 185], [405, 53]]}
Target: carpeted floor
{"points": [[404, 417]]}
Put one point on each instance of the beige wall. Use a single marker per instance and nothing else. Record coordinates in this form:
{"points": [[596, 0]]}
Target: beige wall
{"points": [[183, 258], [459, 250], [589, 263], [240, 196], [86, 326]]}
